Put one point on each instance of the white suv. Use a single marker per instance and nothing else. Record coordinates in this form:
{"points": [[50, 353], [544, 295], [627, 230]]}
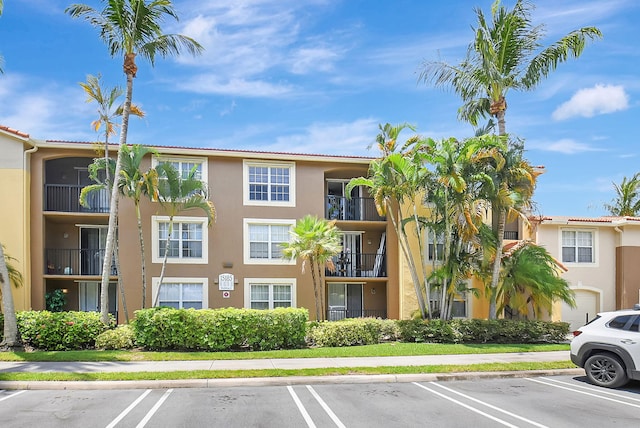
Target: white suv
{"points": [[608, 347]]}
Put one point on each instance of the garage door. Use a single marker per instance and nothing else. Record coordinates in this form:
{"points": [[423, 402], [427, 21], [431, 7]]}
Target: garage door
{"points": [[586, 309]]}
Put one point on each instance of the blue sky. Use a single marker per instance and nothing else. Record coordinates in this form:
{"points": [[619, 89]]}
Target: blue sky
{"points": [[318, 76]]}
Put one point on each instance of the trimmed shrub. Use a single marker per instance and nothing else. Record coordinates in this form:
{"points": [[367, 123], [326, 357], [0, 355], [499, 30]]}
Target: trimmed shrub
{"points": [[121, 337], [220, 329], [60, 331], [482, 331], [346, 332]]}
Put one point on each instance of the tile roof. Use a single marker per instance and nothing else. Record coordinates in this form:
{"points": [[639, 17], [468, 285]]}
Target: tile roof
{"points": [[14, 131]]}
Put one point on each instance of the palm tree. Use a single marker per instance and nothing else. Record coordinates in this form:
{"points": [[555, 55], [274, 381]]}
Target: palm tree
{"points": [[8, 275], [134, 184], [131, 27], [107, 109], [530, 280], [627, 200], [505, 54], [314, 241], [514, 182], [176, 194]]}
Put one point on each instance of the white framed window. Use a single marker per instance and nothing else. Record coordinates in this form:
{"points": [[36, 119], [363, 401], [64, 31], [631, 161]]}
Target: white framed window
{"points": [[269, 293], [181, 293], [184, 165], [269, 183], [263, 240], [188, 243], [578, 246], [435, 245]]}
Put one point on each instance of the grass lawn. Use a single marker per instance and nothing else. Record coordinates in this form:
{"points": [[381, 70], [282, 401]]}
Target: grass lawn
{"points": [[385, 349]]}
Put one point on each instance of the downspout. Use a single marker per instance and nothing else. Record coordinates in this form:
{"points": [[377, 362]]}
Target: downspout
{"points": [[620, 277], [26, 256]]}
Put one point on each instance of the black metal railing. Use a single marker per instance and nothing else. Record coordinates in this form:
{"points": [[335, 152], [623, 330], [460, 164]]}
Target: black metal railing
{"points": [[359, 265], [339, 314], [66, 198], [84, 261], [357, 209], [511, 234]]}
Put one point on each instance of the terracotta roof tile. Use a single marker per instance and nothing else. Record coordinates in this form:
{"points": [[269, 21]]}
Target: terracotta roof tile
{"points": [[14, 131]]}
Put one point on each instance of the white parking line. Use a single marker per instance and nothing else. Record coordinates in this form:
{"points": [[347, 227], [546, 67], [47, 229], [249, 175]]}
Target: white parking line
{"points": [[595, 389], [583, 392], [154, 409], [128, 409], [473, 409], [513, 415], [12, 395], [301, 408], [326, 408]]}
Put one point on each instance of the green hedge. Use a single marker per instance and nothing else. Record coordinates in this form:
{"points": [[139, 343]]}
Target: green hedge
{"points": [[352, 331], [220, 329], [483, 331], [59, 331]]}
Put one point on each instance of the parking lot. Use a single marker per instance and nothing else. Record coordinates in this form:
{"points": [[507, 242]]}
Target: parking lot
{"points": [[560, 401]]}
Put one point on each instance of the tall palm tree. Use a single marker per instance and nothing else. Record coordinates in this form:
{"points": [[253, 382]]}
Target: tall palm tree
{"points": [[11, 335], [131, 28], [314, 241], [506, 54], [510, 194], [396, 182], [108, 110], [627, 200], [134, 184], [177, 193], [530, 281]]}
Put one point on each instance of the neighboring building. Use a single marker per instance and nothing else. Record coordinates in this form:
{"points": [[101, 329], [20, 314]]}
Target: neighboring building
{"points": [[602, 257], [258, 197]]}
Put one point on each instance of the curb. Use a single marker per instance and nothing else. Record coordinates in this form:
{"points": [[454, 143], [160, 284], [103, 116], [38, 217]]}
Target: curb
{"points": [[278, 381]]}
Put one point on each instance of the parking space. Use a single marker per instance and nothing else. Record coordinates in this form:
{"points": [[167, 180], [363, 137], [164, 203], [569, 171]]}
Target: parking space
{"points": [[520, 402]]}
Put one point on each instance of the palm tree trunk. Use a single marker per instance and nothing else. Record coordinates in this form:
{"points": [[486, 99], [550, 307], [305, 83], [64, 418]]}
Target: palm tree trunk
{"points": [[113, 210], [316, 291], [164, 261], [495, 276], [11, 336], [143, 269], [116, 255]]}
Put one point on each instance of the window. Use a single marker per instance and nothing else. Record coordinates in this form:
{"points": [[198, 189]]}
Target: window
{"points": [[264, 239], [435, 246], [181, 293], [577, 246], [263, 293], [188, 242], [269, 183], [184, 165]]}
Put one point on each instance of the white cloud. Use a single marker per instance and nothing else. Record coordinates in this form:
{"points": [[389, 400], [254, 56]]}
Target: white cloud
{"points": [[349, 139], [210, 84], [566, 146], [601, 99]]}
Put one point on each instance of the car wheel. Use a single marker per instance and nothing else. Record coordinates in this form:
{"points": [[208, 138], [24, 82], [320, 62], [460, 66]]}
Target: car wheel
{"points": [[605, 370]]}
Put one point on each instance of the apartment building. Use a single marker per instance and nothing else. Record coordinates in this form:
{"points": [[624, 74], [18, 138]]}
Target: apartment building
{"points": [[602, 257], [236, 262]]}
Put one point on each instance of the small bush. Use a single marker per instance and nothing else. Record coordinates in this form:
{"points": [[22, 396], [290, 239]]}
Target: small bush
{"points": [[347, 332], [121, 337], [60, 331], [220, 329]]}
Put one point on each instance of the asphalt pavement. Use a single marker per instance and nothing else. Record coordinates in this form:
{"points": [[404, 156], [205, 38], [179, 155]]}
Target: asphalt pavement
{"points": [[285, 364]]}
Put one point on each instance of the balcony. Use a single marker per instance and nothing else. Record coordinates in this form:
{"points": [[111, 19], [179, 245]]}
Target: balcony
{"points": [[339, 314], [66, 198], [511, 235], [354, 209], [82, 261], [359, 265]]}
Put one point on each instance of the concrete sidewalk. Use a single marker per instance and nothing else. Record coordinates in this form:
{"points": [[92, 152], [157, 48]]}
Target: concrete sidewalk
{"points": [[292, 363]]}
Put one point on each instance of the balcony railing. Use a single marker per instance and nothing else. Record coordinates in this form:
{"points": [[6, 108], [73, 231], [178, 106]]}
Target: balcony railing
{"points": [[511, 235], [82, 261], [356, 209], [339, 314], [359, 265], [66, 198]]}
